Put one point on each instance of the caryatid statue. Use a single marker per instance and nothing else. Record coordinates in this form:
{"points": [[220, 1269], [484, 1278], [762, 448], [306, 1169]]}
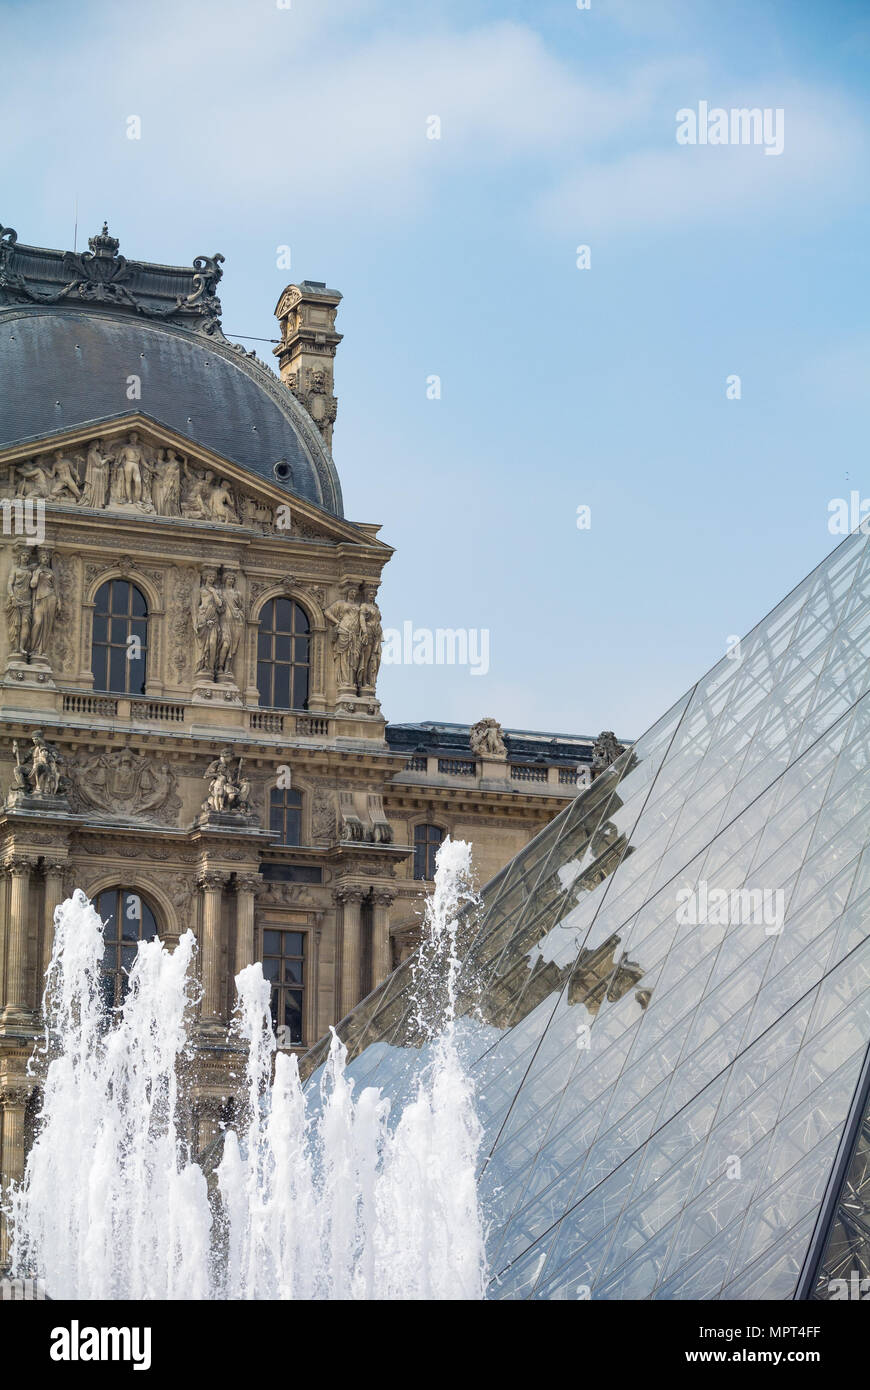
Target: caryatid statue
{"points": [[346, 619], [372, 640], [232, 624], [19, 602], [207, 623], [45, 603]]}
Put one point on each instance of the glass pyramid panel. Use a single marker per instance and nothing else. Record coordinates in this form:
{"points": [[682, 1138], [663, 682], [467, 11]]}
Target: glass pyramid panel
{"points": [[665, 997]]}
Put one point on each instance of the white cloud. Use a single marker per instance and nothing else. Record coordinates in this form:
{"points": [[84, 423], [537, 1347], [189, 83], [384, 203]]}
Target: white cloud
{"points": [[326, 104], [672, 186]]}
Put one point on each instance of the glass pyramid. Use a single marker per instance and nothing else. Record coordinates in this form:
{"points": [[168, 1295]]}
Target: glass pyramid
{"points": [[670, 1070]]}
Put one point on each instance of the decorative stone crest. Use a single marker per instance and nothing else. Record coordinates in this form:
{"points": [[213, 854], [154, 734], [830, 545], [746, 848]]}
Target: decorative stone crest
{"points": [[125, 782]]}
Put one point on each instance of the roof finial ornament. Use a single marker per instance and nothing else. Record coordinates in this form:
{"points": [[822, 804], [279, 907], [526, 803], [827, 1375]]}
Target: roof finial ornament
{"points": [[104, 245]]}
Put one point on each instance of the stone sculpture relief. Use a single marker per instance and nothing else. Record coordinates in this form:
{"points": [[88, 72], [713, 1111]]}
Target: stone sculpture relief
{"points": [[38, 772], [605, 751], [229, 790], [322, 818], [218, 623], [357, 639], [32, 602], [487, 739], [125, 782], [135, 475]]}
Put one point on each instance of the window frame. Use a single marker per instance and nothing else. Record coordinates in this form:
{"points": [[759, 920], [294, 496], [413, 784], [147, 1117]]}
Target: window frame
{"points": [[279, 987], [282, 793], [273, 663], [119, 972], [429, 847], [102, 680]]}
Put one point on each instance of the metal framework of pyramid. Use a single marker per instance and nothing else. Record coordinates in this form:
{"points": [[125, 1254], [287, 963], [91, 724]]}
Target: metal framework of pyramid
{"points": [[677, 1109]]}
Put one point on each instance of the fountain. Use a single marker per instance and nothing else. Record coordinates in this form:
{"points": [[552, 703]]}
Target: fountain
{"points": [[319, 1194]]}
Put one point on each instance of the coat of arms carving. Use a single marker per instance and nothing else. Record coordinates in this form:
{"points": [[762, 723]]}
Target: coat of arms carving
{"points": [[126, 783]]}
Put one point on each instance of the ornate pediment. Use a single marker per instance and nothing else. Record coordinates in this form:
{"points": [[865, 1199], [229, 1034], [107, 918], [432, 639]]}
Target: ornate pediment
{"points": [[138, 468]]}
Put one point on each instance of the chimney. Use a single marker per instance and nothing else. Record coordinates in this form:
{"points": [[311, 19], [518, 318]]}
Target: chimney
{"points": [[306, 314]]}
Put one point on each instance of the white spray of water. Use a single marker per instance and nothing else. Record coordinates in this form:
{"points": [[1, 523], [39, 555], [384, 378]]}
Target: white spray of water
{"points": [[110, 1205], [339, 1200]]}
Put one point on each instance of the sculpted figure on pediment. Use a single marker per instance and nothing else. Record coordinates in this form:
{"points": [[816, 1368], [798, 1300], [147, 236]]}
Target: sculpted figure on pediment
{"points": [[166, 485], [97, 474], [134, 473], [131, 474]]}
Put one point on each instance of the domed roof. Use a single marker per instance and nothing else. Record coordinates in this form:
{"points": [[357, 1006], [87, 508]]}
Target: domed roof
{"points": [[75, 329]]}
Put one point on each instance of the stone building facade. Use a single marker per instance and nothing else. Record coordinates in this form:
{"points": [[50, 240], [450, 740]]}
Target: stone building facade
{"points": [[190, 729]]}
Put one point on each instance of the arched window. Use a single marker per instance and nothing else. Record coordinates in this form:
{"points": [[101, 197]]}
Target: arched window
{"points": [[283, 655], [285, 815], [427, 838], [127, 920], [120, 643]]}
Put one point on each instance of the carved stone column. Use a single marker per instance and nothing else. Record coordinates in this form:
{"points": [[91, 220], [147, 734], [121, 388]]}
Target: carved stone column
{"points": [[350, 900], [54, 896], [382, 964], [19, 869], [13, 1109], [247, 888], [212, 885]]}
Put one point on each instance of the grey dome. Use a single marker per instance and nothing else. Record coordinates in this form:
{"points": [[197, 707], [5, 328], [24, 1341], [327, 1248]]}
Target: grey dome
{"points": [[62, 367]]}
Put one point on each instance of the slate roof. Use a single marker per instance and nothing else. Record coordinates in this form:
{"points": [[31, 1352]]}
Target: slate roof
{"points": [[74, 328]]}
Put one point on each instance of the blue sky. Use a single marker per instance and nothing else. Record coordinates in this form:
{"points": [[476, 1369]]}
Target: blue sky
{"points": [[264, 127]]}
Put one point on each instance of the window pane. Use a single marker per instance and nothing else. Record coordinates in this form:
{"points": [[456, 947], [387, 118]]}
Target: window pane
{"points": [[300, 688], [293, 1015], [281, 688]]}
